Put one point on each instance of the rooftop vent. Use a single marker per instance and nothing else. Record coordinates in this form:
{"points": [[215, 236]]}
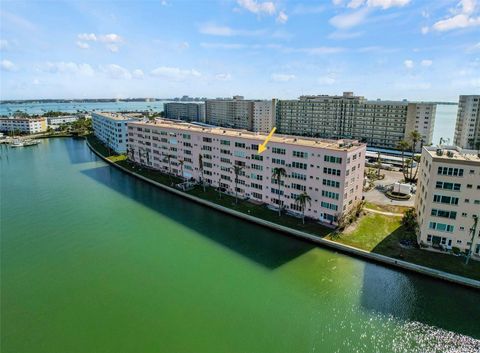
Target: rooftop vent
{"points": [[439, 152], [450, 154]]}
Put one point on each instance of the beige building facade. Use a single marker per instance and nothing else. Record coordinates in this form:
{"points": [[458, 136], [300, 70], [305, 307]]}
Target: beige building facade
{"points": [[467, 127], [378, 123], [448, 196], [240, 113]]}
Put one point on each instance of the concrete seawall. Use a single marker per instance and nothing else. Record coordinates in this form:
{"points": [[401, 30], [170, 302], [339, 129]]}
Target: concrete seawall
{"points": [[404, 265]]}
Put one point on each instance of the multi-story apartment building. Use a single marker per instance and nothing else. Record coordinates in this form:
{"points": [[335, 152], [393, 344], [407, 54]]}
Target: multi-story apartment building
{"points": [[185, 111], [56, 121], [329, 171], [111, 129], [448, 196], [467, 128], [23, 125], [239, 113], [378, 123]]}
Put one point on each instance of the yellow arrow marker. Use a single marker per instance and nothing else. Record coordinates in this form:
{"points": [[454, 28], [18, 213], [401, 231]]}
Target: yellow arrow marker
{"points": [[263, 146]]}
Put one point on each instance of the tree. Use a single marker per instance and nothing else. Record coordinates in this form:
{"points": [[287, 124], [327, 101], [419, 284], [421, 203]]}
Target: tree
{"points": [[237, 170], [302, 201], [181, 162], [200, 167], [168, 159], [409, 220], [415, 136], [403, 146], [278, 174]]}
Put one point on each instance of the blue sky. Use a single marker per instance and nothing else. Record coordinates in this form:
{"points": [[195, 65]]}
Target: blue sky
{"points": [[389, 49]]}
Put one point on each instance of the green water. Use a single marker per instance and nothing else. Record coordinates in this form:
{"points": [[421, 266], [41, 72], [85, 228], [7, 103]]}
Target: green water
{"points": [[93, 260]]}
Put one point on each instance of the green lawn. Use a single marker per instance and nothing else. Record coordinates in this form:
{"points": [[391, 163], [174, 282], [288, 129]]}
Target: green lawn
{"points": [[381, 234], [373, 232]]}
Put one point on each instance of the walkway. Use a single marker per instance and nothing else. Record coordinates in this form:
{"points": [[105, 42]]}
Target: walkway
{"points": [[384, 213]]}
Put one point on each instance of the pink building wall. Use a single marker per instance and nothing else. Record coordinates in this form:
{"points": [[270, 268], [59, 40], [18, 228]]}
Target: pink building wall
{"points": [[185, 142]]}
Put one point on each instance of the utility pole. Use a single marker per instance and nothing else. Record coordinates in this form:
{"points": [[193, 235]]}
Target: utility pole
{"points": [[473, 230]]}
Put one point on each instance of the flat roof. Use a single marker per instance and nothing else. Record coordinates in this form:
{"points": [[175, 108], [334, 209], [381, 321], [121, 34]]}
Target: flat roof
{"points": [[117, 116], [453, 154], [340, 145]]}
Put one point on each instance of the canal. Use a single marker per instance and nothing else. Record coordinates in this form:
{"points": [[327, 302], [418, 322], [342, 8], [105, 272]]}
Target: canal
{"points": [[93, 260]]}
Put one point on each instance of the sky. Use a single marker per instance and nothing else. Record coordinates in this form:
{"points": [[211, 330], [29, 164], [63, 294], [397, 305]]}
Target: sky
{"points": [[388, 49]]}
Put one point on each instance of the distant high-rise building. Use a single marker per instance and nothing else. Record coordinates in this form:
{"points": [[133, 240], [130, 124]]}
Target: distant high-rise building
{"points": [[467, 128], [240, 113], [378, 123], [185, 111]]}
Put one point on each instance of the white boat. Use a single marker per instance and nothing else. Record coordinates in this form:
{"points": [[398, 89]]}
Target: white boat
{"points": [[16, 143], [27, 143]]}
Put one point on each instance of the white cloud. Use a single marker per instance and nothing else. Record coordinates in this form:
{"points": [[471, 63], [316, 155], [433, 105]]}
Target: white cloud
{"points": [[113, 48], [282, 77], [327, 80], [307, 10], [355, 3], [386, 4], [117, 72], [183, 45], [4, 44], [82, 45], [174, 73], [256, 7], [350, 19], [425, 29], [426, 63], [461, 17], [225, 31], [320, 50], [408, 64], [164, 3], [340, 35], [282, 17], [138, 74], [223, 45], [71, 68], [110, 38], [87, 37], [7, 65], [223, 77]]}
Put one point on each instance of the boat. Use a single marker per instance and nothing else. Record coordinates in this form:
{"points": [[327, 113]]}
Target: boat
{"points": [[27, 143], [16, 143]]}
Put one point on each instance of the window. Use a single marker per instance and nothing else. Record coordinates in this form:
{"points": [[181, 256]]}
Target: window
{"points": [[225, 142], [332, 183], [277, 150], [333, 159], [299, 165], [441, 227], [448, 186], [328, 205], [330, 194], [331, 171], [450, 171], [207, 139], [299, 187], [445, 199], [445, 214], [300, 154], [278, 161], [257, 157], [298, 176], [239, 145]]}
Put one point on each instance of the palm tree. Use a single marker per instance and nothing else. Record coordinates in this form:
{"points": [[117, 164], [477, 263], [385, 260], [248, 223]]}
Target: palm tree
{"points": [[415, 136], [237, 170], [278, 174], [200, 166], [181, 162], [302, 201], [167, 159], [402, 146]]}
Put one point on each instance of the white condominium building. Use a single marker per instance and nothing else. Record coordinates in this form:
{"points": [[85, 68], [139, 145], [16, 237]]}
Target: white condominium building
{"points": [[448, 195], [239, 113], [56, 121], [185, 111], [111, 129], [378, 123], [23, 125], [467, 128], [329, 171]]}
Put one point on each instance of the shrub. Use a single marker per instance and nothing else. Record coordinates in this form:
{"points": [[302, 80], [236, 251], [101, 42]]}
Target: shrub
{"points": [[456, 250]]}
